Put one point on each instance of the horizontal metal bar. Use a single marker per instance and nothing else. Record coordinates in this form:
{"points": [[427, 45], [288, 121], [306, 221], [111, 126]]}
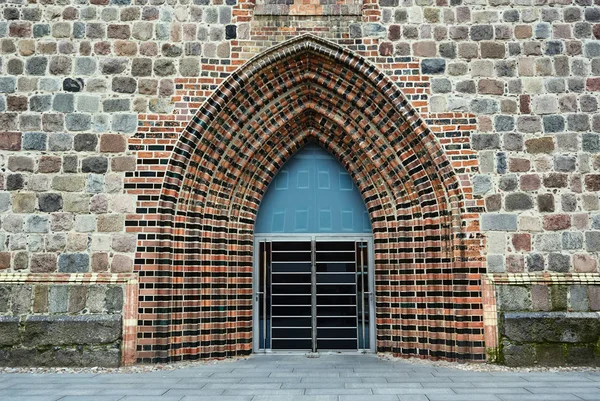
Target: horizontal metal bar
{"points": [[328, 338]]}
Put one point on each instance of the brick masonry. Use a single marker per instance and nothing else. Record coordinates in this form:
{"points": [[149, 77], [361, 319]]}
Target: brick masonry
{"points": [[496, 121]]}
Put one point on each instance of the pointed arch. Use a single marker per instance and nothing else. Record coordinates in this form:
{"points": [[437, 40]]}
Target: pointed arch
{"points": [[309, 89]]}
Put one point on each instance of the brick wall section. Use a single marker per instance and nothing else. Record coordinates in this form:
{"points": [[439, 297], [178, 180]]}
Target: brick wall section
{"points": [[94, 96]]}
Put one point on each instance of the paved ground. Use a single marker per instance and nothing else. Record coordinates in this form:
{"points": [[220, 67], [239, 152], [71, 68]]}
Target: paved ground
{"points": [[297, 378]]}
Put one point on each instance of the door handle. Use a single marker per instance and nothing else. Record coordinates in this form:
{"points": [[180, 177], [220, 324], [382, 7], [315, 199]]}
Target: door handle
{"points": [[257, 295]]}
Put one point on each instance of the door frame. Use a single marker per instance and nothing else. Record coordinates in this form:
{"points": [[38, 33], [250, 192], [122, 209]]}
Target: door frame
{"points": [[309, 237]]}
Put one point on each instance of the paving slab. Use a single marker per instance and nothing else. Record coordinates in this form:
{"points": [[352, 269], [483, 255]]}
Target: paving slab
{"points": [[280, 377]]}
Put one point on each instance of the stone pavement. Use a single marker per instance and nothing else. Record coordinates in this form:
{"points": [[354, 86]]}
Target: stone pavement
{"points": [[295, 377]]}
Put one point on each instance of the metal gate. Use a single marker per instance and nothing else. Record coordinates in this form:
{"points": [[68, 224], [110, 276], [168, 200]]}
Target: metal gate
{"points": [[313, 294]]}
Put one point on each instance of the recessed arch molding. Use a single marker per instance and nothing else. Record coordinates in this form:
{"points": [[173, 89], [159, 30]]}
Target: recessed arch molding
{"points": [[197, 298]]}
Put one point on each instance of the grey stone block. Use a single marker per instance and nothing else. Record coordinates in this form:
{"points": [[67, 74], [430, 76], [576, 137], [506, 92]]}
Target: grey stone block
{"points": [[71, 330], [512, 141], [518, 201], [107, 357], [578, 298], [485, 141], [50, 202], [85, 65], [37, 224], [572, 240], [60, 142], [74, 263], [114, 299], [40, 103], [535, 262], [85, 142], [9, 330], [558, 262], [8, 84], [484, 106], [518, 354], [36, 65], [78, 122], [553, 327], [115, 105], [64, 102], [124, 123], [58, 299], [96, 164], [564, 163], [592, 240], [504, 123], [21, 299], [88, 103], [34, 141], [553, 123], [482, 32], [499, 222], [495, 264], [548, 242], [513, 298], [433, 66], [482, 184]]}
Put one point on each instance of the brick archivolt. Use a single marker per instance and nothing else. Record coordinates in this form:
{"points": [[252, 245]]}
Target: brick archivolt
{"points": [[301, 90]]}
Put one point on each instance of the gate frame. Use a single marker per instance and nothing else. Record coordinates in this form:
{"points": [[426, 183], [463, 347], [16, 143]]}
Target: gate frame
{"points": [[310, 237]]}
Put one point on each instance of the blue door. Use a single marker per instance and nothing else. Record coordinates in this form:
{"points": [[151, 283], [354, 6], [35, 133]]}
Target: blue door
{"points": [[312, 193]]}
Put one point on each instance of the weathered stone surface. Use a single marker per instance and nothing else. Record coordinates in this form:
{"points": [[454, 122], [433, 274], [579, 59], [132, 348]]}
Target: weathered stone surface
{"points": [[50, 202], [73, 263], [43, 263], [9, 330], [96, 164], [552, 327], [499, 222], [23, 202], [513, 298], [71, 330], [121, 264], [519, 355], [518, 201]]}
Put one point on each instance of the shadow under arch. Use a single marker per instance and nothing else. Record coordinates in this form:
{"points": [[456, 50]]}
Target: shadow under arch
{"points": [[309, 89]]}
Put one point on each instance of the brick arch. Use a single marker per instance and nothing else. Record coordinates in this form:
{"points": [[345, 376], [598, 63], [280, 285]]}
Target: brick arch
{"points": [[304, 89]]}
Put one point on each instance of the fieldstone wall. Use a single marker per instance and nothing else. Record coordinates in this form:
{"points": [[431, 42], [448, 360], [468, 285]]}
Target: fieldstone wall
{"points": [[95, 93], [46, 324]]}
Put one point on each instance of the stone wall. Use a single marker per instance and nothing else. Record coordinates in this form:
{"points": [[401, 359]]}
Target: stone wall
{"points": [[95, 94], [51, 324], [542, 319]]}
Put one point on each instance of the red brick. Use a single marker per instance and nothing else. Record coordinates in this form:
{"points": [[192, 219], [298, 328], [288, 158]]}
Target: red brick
{"points": [[557, 222], [394, 32], [515, 263], [49, 164], [4, 260], [121, 264], [100, 262], [540, 297], [517, 165], [593, 84], [20, 29], [113, 143], [594, 296], [43, 263], [584, 263], [530, 182], [521, 242], [10, 140], [592, 182], [386, 49]]}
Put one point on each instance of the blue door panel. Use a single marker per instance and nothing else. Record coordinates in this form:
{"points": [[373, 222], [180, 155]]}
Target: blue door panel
{"points": [[312, 193]]}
